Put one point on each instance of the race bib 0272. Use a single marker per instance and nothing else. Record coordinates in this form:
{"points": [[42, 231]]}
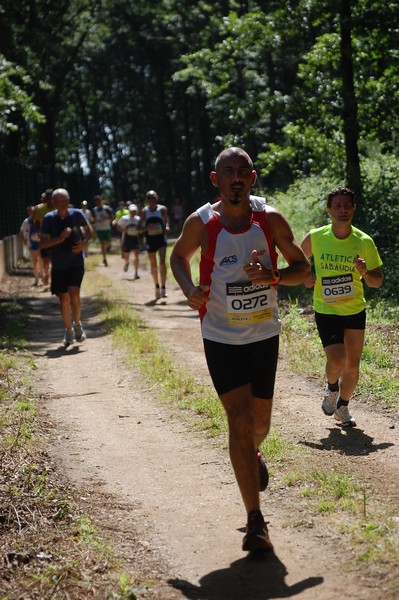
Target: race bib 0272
{"points": [[247, 303]]}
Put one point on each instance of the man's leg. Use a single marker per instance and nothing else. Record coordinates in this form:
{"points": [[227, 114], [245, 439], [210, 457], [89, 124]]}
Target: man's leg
{"points": [[162, 265], [152, 256], [35, 254], [65, 308], [249, 422], [136, 261], [125, 256], [335, 355], [354, 342], [75, 304], [263, 414], [104, 245], [46, 269]]}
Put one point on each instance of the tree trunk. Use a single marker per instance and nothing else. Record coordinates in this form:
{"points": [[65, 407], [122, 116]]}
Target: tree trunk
{"points": [[350, 119]]}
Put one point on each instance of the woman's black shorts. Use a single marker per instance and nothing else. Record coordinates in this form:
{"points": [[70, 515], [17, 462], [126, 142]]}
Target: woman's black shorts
{"points": [[331, 327]]}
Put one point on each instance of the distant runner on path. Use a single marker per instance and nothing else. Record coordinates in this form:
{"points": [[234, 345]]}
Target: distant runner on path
{"points": [[237, 304], [65, 231], [154, 222]]}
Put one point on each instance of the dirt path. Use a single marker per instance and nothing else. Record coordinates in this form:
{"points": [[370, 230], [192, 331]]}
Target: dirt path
{"points": [[168, 496]]}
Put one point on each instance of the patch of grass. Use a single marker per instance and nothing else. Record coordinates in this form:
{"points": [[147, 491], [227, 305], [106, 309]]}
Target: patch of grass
{"points": [[376, 542], [334, 485], [373, 531], [275, 447], [13, 319], [299, 341]]}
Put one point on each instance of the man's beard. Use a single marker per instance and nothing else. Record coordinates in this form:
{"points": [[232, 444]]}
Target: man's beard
{"points": [[235, 200]]}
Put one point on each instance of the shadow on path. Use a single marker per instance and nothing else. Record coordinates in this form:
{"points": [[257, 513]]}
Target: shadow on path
{"points": [[349, 441], [251, 578]]}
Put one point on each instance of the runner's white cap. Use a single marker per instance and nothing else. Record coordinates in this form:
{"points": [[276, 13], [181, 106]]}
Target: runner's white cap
{"points": [[132, 207]]}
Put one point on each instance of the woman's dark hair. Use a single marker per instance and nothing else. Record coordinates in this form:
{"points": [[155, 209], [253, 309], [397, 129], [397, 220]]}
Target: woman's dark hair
{"points": [[340, 191]]}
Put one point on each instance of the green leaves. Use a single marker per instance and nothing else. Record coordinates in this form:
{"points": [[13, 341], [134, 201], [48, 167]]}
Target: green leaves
{"points": [[15, 102]]}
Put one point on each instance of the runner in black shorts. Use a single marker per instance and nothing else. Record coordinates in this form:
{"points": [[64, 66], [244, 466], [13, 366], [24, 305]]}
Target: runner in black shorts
{"points": [[61, 281], [154, 222], [345, 259], [66, 231], [236, 299], [129, 227], [231, 366]]}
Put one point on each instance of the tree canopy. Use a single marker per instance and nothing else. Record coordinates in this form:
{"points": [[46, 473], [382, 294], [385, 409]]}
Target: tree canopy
{"points": [[144, 94]]}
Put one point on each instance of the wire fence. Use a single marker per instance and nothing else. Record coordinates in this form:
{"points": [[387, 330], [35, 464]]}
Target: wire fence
{"points": [[21, 186]]}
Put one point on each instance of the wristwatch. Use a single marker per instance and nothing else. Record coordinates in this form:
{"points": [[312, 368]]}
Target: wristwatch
{"points": [[276, 276]]}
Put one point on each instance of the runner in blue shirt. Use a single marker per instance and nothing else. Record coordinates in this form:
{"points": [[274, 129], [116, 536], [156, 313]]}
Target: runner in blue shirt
{"points": [[65, 231]]}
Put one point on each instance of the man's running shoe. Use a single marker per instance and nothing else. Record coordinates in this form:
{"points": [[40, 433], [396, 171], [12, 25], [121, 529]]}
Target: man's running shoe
{"points": [[157, 293], [257, 536], [263, 472], [79, 332], [163, 292], [68, 337], [126, 267], [137, 276], [343, 415], [329, 403]]}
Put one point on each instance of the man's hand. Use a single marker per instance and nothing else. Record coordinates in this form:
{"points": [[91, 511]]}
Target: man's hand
{"points": [[65, 233], [257, 273], [197, 296], [360, 265], [310, 281], [78, 247]]}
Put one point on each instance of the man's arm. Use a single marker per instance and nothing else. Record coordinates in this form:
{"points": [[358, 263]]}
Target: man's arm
{"points": [[86, 235], [47, 242], [184, 249], [298, 269], [164, 212], [373, 277], [306, 246], [88, 229]]}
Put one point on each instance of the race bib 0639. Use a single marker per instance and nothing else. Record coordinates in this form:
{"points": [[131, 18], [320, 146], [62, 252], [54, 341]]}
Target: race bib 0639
{"points": [[338, 289]]}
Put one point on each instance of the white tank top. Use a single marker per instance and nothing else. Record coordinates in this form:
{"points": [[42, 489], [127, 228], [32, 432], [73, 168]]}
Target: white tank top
{"points": [[238, 311]]}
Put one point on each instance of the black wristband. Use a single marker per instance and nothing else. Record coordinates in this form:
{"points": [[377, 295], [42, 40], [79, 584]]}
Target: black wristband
{"points": [[276, 275]]}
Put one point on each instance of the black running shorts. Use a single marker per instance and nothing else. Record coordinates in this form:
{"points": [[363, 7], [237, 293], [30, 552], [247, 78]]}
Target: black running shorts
{"points": [[331, 327], [130, 242], [61, 280], [155, 242], [232, 366]]}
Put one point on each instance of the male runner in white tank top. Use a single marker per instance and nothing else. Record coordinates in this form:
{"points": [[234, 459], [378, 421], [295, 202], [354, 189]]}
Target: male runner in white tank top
{"points": [[237, 303]]}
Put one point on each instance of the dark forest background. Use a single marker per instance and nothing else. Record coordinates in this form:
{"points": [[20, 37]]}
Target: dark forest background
{"points": [[119, 97]]}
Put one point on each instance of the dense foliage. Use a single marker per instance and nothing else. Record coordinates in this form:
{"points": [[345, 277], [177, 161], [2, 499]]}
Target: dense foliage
{"points": [[144, 94]]}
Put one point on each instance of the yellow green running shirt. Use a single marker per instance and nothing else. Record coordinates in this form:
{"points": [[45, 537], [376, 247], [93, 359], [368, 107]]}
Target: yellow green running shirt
{"points": [[339, 288]]}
